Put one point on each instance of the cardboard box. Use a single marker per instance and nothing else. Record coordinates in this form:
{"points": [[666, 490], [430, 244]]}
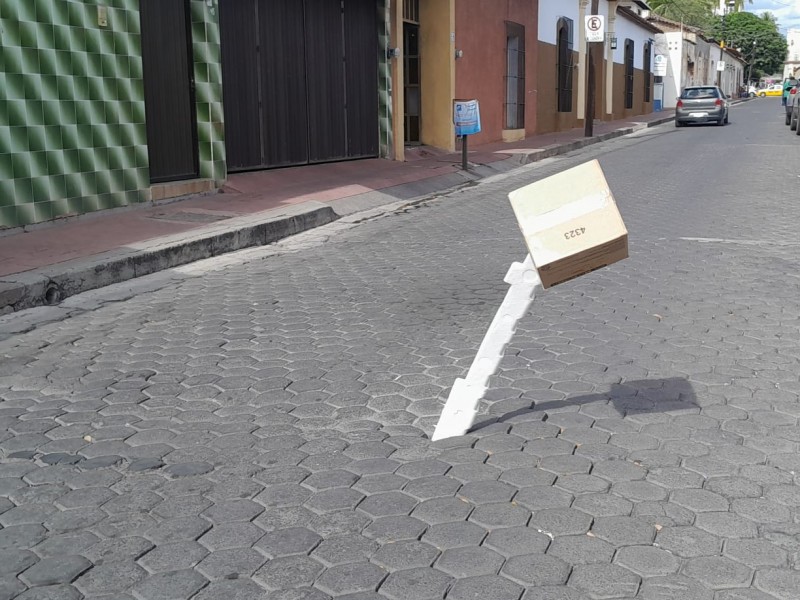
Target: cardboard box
{"points": [[570, 223]]}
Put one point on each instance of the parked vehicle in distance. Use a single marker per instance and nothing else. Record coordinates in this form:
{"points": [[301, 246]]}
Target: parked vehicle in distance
{"points": [[790, 100], [793, 107], [701, 104], [776, 89]]}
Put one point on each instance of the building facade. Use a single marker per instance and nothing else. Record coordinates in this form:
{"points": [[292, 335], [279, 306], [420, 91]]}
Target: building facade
{"points": [[105, 104], [623, 68], [692, 59]]}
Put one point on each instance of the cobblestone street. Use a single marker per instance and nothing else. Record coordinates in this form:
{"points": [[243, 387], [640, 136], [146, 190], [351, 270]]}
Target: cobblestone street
{"points": [[260, 428]]}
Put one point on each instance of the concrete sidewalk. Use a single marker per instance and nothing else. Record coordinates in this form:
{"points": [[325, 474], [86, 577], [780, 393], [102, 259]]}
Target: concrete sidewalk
{"points": [[46, 263]]}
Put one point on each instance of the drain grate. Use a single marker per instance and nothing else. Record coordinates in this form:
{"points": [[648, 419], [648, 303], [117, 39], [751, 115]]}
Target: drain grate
{"points": [[191, 217]]}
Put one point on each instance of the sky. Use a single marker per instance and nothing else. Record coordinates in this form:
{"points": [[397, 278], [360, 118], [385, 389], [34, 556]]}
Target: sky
{"points": [[787, 11]]}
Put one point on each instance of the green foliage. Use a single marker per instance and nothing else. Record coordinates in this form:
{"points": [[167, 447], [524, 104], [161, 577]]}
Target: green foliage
{"points": [[757, 37], [697, 13]]}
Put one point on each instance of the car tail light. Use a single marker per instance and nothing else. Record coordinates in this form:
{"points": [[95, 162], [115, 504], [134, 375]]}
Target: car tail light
{"points": [[718, 102], [792, 91], [680, 104]]}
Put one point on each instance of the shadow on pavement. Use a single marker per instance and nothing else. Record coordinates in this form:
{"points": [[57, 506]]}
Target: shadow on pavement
{"points": [[621, 400]]}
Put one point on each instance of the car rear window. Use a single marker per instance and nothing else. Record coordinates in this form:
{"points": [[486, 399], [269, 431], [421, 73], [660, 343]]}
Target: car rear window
{"points": [[699, 93]]}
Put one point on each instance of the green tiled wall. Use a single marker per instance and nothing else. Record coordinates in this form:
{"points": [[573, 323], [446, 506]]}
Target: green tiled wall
{"points": [[208, 89], [384, 80], [72, 114]]}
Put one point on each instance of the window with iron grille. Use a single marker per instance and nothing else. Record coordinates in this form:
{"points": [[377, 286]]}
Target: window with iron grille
{"points": [[515, 76], [564, 66], [628, 73], [648, 51], [411, 11]]}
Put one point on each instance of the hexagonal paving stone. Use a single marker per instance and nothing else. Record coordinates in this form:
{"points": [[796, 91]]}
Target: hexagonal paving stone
{"points": [[334, 499], [581, 549], [726, 525], [647, 561], [465, 562], [415, 584], [454, 535], [395, 529], [561, 521], [536, 570], [486, 492], [755, 553], [674, 586], [405, 555], [604, 581], [288, 572], [442, 510], [517, 540], [485, 586], [540, 497], [781, 583], [16, 561], [55, 570], [688, 541], [110, 578], [173, 584], [289, 541], [388, 504], [231, 535], [231, 564], [233, 510], [173, 557], [350, 578], [233, 589], [500, 515], [344, 549], [718, 572], [624, 531], [603, 505], [699, 501], [432, 487]]}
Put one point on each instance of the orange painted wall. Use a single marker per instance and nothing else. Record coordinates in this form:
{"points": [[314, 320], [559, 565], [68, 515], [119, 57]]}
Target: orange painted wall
{"points": [[480, 73]]}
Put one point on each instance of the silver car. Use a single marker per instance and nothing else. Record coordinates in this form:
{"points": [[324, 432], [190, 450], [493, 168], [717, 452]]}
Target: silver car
{"points": [[702, 104]]}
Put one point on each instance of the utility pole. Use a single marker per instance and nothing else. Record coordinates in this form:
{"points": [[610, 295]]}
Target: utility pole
{"points": [[591, 83]]}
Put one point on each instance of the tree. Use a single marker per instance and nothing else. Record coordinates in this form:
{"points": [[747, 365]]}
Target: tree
{"points": [[758, 37], [697, 13]]}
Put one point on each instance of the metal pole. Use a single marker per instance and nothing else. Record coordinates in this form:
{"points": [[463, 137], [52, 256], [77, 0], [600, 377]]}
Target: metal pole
{"points": [[721, 45], [591, 85], [464, 152]]}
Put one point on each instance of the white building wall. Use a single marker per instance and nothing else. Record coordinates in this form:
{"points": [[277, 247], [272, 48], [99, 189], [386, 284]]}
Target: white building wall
{"points": [[550, 11], [627, 29]]}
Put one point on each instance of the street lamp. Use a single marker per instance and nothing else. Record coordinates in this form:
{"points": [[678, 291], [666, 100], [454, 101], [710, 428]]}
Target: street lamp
{"points": [[728, 5]]}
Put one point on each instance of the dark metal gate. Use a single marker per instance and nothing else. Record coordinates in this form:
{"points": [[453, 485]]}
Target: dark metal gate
{"points": [[300, 81], [169, 90]]}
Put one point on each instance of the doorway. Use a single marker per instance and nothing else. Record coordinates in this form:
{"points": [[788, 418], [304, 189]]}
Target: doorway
{"points": [[300, 81], [412, 92], [171, 120]]}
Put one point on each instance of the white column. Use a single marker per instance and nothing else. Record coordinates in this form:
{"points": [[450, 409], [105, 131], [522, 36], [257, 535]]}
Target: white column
{"points": [[579, 31], [612, 20]]}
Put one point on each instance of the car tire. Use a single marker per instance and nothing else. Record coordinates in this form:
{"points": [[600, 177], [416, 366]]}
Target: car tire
{"points": [[788, 120], [726, 119], [792, 122], [761, 95], [797, 130], [721, 122], [678, 123], [752, 94]]}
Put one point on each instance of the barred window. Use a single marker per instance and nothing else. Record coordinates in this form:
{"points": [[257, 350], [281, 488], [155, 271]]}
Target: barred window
{"points": [[628, 73], [564, 68], [648, 51], [515, 76]]}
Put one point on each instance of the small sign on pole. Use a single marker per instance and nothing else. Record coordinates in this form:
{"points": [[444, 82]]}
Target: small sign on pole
{"points": [[721, 66], [660, 65], [467, 119], [595, 28]]}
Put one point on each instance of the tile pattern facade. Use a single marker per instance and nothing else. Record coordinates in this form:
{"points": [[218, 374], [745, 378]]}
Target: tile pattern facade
{"points": [[72, 112], [208, 89], [384, 79]]}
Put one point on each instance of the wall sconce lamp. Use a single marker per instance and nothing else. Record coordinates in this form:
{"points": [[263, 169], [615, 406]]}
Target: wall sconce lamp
{"points": [[393, 53], [459, 53], [613, 42]]}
